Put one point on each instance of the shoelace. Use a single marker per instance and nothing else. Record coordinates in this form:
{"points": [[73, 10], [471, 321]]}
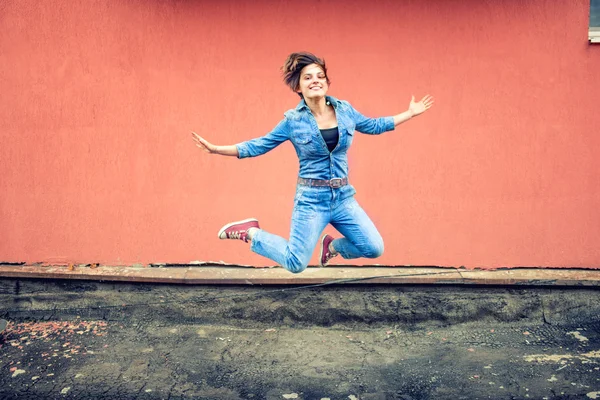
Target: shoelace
{"points": [[237, 235], [329, 256]]}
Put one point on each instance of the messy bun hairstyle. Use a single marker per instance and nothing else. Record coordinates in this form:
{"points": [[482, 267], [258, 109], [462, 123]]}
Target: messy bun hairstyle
{"points": [[293, 66]]}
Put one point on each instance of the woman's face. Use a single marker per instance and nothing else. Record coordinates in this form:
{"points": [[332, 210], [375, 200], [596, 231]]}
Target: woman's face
{"points": [[313, 82]]}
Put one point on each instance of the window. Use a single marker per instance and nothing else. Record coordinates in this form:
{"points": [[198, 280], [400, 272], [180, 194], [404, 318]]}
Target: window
{"points": [[594, 32]]}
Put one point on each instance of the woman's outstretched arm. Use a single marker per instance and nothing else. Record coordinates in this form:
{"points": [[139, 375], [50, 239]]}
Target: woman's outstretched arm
{"points": [[414, 109], [380, 125], [250, 148], [205, 145]]}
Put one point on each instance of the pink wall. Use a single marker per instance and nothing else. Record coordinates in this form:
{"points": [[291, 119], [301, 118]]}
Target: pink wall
{"points": [[98, 98]]}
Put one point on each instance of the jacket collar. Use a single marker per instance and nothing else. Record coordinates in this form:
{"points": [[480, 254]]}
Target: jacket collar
{"points": [[334, 102]]}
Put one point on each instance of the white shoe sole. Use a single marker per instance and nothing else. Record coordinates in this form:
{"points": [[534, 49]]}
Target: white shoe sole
{"points": [[223, 229], [321, 253]]}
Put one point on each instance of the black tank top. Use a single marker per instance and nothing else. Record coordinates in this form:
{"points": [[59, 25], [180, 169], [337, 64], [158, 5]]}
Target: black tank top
{"points": [[331, 137]]}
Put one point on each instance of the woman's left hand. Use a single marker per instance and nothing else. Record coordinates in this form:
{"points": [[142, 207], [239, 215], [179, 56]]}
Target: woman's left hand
{"points": [[416, 108]]}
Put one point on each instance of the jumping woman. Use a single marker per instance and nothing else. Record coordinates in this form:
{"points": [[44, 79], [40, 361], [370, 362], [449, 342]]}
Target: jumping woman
{"points": [[321, 128]]}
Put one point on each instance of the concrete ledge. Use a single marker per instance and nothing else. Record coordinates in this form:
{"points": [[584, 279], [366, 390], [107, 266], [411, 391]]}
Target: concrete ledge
{"points": [[231, 275]]}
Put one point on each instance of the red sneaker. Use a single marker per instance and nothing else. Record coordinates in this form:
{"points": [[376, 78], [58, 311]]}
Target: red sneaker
{"points": [[238, 230], [325, 253]]}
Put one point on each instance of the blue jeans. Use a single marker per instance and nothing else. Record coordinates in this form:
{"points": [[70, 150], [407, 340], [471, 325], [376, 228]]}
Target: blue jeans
{"points": [[314, 208]]}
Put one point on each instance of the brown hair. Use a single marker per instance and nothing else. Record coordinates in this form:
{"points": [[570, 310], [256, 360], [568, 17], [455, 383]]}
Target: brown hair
{"points": [[293, 66]]}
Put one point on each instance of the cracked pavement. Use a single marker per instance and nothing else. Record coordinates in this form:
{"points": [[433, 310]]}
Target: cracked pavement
{"points": [[87, 341]]}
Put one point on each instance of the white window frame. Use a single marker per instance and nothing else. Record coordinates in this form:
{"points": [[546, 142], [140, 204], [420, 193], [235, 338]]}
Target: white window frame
{"points": [[593, 31]]}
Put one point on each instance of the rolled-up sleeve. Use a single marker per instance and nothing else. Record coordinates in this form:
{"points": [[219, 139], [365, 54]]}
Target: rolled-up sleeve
{"points": [[373, 126], [259, 146]]}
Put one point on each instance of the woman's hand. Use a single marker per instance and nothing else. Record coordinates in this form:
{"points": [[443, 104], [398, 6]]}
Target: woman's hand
{"points": [[212, 149], [416, 108], [204, 144]]}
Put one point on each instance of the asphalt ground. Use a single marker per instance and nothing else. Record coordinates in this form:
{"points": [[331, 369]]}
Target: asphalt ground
{"points": [[111, 340]]}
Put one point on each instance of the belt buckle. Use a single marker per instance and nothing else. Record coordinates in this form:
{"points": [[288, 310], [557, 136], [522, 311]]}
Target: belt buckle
{"points": [[335, 183]]}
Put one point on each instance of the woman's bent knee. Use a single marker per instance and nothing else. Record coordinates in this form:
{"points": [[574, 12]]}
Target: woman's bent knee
{"points": [[296, 268], [375, 250], [295, 265]]}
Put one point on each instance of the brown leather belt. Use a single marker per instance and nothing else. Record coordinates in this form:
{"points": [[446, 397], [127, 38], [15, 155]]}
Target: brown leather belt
{"points": [[333, 183]]}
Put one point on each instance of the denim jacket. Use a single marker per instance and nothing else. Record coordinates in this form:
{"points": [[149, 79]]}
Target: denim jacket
{"points": [[300, 127]]}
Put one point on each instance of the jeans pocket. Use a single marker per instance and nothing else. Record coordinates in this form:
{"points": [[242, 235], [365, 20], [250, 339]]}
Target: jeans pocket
{"points": [[350, 205], [299, 191], [304, 209]]}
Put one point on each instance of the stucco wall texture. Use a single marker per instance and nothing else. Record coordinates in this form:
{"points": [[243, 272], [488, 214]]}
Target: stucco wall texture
{"points": [[98, 99]]}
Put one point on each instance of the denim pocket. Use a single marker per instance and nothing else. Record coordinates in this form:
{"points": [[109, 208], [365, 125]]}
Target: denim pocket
{"points": [[305, 207], [349, 137], [299, 190], [305, 144], [304, 139]]}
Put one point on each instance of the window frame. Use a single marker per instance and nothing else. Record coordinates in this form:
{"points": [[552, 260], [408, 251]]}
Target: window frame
{"points": [[594, 30]]}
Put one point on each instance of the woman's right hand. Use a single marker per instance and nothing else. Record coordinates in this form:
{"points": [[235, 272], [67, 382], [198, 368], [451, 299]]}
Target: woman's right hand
{"points": [[204, 144]]}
